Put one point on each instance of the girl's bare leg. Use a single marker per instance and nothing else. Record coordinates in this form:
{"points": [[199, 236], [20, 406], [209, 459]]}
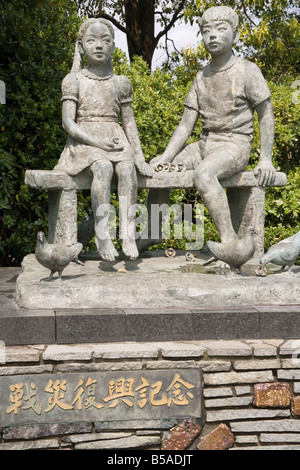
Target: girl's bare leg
{"points": [[127, 192], [100, 194]]}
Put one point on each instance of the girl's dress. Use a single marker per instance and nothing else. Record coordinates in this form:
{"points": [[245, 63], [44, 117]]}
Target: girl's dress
{"points": [[99, 102]]}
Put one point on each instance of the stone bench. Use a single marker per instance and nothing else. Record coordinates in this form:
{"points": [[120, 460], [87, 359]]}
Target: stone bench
{"points": [[246, 198]]}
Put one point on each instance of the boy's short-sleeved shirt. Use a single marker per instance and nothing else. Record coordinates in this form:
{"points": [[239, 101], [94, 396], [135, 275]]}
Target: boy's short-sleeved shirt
{"points": [[226, 99]]}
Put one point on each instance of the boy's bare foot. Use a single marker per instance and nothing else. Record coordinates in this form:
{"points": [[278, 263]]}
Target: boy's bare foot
{"points": [[130, 249]]}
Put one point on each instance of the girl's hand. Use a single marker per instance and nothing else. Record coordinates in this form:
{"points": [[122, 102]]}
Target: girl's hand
{"points": [[110, 145]]}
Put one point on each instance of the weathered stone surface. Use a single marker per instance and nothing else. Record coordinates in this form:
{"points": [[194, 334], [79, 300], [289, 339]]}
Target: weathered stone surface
{"points": [[228, 402], [279, 437], [15, 370], [181, 436], [75, 439], [290, 363], [251, 439], [238, 377], [21, 354], [227, 348], [255, 364], [218, 392], [233, 414], [215, 366], [180, 349], [262, 349], [290, 347], [148, 432], [132, 442], [45, 430], [269, 425], [296, 406], [125, 351], [171, 364], [144, 424], [31, 445], [268, 448], [288, 374], [220, 438], [274, 395], [99, 366], [67, 353], [242, 390]]}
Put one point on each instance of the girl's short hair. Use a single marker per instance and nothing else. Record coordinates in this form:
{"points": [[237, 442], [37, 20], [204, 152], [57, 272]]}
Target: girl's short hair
{"points": [[222, 13], [86, 24]]}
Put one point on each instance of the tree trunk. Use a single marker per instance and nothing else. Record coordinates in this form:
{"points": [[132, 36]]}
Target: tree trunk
{"points": [[140, 21]]}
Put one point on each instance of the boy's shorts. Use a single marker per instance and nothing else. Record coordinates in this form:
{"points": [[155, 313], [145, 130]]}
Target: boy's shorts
{"points": [[237, 146]]}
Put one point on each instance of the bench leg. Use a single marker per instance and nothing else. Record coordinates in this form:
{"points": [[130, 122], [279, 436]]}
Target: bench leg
{"points": [[156, 197], [62, 217], [247, 206]]}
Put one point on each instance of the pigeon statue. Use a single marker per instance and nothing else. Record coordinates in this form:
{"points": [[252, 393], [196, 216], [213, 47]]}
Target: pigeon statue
{"points": [[235, 254], [56, 257], [283, 253]]}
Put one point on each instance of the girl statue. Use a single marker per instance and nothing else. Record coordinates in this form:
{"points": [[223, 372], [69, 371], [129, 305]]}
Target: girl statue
{"points": [[94, 100]]}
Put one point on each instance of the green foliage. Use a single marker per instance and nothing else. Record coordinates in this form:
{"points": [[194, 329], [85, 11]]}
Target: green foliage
{"points": [[157, 103], [37, 43], [283, 209]]}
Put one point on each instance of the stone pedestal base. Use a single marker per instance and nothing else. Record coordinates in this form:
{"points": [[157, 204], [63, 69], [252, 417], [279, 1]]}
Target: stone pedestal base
{"points": [[155, 299], [152, 282]]}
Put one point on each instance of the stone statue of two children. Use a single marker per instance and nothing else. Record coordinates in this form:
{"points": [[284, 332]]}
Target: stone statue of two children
{"points": [[224, 94]]}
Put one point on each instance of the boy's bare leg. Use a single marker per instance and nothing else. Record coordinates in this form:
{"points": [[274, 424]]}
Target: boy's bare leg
{"points": [[127, 192], [206, 179], [100, 194]]}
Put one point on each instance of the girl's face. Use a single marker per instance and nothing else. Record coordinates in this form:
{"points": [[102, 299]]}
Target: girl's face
{"points": [[218, 37], [98, 45]]}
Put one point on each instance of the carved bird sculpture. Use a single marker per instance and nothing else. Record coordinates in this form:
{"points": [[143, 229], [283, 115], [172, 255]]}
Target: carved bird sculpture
{"points": [[283, 253], [56, 257], [235, 253]]}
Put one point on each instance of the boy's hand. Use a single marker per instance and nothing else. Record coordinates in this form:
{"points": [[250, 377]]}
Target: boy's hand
{"points": [[144, 169], [266, 173], [159, 160]]}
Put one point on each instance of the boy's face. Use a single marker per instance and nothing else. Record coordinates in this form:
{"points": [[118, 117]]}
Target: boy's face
{"points": [[218, 37], [98, 45]]}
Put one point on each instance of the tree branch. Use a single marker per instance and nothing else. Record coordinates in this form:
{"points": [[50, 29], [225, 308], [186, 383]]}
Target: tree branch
{"points": [[118, 25], [175, 18], [246, 14]]}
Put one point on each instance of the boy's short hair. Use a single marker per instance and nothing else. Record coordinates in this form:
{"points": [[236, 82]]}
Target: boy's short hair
{"points": [[221, 13]]}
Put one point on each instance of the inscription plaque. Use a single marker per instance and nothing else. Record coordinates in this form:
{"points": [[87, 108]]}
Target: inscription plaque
{"points": [[100, 396]]}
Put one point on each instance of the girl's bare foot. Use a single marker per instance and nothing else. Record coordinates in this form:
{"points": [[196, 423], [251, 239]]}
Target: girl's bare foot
{"points": [[107, 250]]}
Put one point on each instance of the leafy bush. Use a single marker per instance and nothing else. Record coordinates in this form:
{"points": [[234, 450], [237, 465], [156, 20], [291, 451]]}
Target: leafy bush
{"points": [[37, 43]]}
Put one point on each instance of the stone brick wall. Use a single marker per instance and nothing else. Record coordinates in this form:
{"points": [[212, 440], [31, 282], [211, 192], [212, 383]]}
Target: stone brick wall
{"points": [[251, 395]]}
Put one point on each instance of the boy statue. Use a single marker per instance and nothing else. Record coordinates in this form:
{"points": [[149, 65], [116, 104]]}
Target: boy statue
{"points": [[225, 93]]}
